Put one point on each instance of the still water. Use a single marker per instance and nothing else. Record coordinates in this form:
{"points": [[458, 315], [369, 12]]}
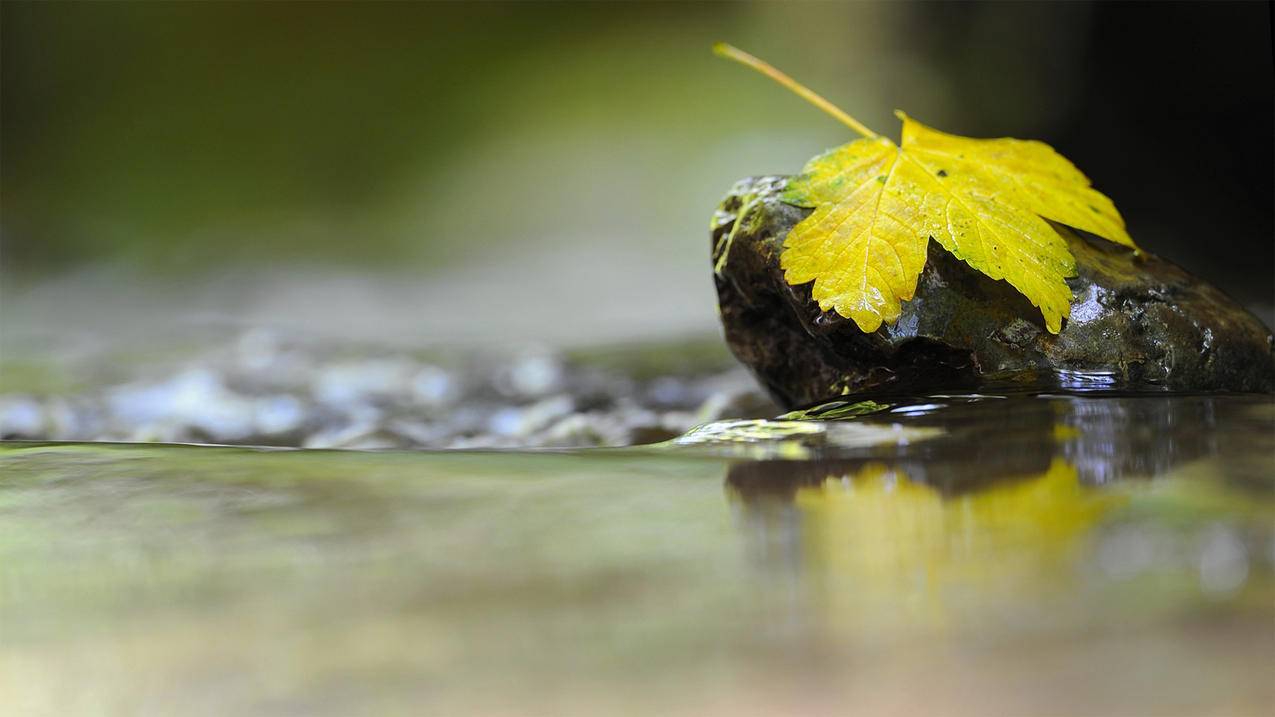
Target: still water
{"points": [[934, 555]]}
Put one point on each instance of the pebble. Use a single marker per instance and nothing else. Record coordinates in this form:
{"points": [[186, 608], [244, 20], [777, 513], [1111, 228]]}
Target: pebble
{"points": [[21, 417], [264, 389]]}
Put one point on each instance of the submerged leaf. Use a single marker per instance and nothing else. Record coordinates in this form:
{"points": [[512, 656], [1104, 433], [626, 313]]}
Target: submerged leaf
{"points": [[836, 411]]}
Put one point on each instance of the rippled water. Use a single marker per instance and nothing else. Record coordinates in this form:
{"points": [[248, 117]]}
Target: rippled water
{"points": [[940, 554]]}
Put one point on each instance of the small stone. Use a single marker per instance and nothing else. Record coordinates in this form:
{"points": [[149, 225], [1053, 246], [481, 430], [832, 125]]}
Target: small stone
{"points": [[21, 417], [531, 375], [194, 400], [65, 422], [418, 433], [357, 434], [357, 382], [279, 414], [581, 430], [527, 420], [433, 387]]}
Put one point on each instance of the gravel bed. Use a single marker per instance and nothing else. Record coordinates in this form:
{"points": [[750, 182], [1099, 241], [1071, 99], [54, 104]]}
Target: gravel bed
{"points": [[264, 389]]}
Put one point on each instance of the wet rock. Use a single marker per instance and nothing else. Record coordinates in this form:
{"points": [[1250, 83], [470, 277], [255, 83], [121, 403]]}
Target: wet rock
{"points": [[527, 420], [368, 381], [21, 417], [584, 429], [530, 375], [433, 387], [1138, 323], [193, 404], [268, 389]]}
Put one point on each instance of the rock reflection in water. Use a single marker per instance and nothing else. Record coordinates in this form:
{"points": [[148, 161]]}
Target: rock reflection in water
{"points": [[1018, 510], [960, 443]]}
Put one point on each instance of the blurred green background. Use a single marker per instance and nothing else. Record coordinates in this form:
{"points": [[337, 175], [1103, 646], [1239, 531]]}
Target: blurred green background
{"points": [[466, 171]]}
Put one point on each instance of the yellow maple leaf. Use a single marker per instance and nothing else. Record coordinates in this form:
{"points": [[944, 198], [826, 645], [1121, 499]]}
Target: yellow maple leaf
{"points": [[877, 204]]}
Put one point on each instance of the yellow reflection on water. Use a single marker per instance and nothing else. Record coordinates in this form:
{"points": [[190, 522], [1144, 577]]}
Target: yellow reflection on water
{"points": [[889, 552]]}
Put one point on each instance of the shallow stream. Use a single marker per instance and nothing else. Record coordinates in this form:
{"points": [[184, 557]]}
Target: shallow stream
{"points": [[941, 554]]}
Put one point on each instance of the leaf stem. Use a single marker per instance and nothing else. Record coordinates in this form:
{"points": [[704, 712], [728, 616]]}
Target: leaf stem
{"points": [[731, 52]]}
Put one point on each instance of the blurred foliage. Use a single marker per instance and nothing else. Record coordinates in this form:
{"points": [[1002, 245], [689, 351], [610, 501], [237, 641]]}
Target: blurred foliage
{"points": [[197, 135], [189, 133], [215, 131]]}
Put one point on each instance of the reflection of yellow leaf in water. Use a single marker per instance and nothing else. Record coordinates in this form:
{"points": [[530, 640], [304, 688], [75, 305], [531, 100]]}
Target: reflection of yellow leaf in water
{"points": [[890, 549]]}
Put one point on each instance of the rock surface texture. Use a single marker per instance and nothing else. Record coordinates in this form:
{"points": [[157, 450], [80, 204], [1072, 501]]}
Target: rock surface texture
{"points": [[1138, 323]]}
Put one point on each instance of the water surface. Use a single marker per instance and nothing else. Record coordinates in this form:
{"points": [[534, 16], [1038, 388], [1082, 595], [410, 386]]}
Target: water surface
{"points": [[956, 555]]}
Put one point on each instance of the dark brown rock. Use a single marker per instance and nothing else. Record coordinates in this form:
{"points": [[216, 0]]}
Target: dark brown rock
{"points": [[1138, 323]]}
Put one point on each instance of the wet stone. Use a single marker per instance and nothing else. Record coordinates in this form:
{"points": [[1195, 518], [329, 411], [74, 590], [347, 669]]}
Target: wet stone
{"points": [[263, 388], [1138, 323]]}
